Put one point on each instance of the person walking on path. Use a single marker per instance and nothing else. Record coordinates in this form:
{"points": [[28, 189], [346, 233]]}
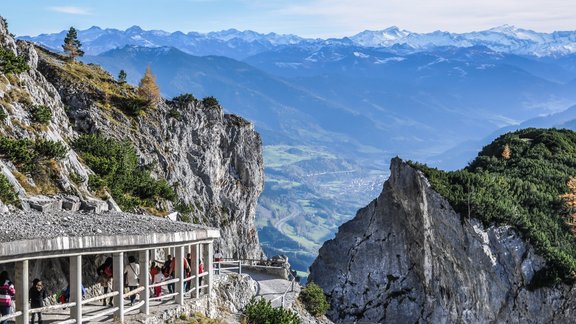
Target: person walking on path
{"points": [[167, 270], [218, 257], [105, 271], [37, 294], [172, 272], [188, 271], [200, 271], [7, 293], [132, 271], [157, 277]]}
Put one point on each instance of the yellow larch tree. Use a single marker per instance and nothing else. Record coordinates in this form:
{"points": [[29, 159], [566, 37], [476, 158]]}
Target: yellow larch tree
{"points": [[148, 88], [570, 203], [506, 152]]}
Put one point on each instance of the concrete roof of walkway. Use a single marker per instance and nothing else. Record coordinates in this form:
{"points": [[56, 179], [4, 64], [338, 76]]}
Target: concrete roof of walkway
{"points": [[29, 235]]}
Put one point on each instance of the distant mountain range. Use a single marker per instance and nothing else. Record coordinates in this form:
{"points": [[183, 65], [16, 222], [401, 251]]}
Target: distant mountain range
{"points": [[241, 44], [506, 39], [333, 112], [230, 43], [349, 98]]}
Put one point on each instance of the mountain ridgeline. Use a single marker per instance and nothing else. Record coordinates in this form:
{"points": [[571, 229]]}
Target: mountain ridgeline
{"points": [[493, 242], [241, 44]]}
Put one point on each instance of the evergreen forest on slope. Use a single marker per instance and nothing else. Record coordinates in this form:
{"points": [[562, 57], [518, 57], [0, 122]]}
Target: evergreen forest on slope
{"points": [[524, 179]]}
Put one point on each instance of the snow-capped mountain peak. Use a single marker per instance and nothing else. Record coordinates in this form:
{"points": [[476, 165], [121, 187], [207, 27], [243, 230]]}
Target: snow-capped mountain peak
{"points": [[505, 38], [387, 37]]}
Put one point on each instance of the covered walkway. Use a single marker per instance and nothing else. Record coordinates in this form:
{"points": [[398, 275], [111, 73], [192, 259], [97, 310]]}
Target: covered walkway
{"points": [[30, 236]]}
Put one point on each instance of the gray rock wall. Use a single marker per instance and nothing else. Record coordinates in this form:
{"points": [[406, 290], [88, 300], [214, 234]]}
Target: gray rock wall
{"points": [[409, 258], [214, 160]]}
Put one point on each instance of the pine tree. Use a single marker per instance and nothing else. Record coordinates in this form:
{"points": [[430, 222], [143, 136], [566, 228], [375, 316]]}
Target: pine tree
{"points": [[122, 76], [148, 88], [72, 44]]}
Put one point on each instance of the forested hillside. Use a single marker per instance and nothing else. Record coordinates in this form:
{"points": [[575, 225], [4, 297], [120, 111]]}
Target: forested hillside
{"points": [[522, 179]]}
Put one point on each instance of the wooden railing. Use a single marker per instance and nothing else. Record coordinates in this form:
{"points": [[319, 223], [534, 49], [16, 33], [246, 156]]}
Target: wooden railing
{"points": [[253, 263], [228, 264], [10, 316], [111, 310]]}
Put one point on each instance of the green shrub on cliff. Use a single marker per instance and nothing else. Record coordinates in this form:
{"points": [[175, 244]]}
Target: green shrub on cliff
{"points": [[314, 300], [260, 311], [26, 153], [517, 180], [47, 149], [7, 193], [184, 98], [11, 63], [116, 166], [210, 102], [41, 114]]}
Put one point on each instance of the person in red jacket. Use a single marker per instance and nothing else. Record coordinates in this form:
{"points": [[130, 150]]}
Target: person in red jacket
{"points": [[200, 271], [106, 272], [7, 293], [173, 271]]}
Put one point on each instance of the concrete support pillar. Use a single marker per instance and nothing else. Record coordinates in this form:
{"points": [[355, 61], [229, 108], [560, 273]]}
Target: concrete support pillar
{"points": [[76, 287], [180, 274], [118, 259], [195, 255], [21, 286], [208, 258], [144, 260]]}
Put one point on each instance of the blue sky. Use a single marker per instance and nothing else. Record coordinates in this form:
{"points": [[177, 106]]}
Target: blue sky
{"points": [[312, 18]]}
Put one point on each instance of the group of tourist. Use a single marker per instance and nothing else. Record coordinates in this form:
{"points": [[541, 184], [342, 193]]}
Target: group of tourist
{"points": [[167, 271], [37, 293], [157, 275]]}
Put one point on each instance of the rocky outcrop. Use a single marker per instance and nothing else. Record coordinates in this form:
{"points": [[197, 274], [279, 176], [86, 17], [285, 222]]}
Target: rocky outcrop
{"points": [[214, 160], [409, 258], [231, 293], [211, 159]]}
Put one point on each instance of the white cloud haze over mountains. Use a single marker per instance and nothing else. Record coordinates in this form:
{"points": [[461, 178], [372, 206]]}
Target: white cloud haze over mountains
{"points": [[316, 18]]}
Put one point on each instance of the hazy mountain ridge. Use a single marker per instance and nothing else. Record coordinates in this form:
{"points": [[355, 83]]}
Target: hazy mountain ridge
{"points": [[231, 42], [350, 92], [506, 38], [462, 154]]}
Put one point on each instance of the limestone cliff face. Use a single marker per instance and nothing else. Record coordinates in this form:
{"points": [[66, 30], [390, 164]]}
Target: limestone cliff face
{"points": [[211, 159], [409, 258]]}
